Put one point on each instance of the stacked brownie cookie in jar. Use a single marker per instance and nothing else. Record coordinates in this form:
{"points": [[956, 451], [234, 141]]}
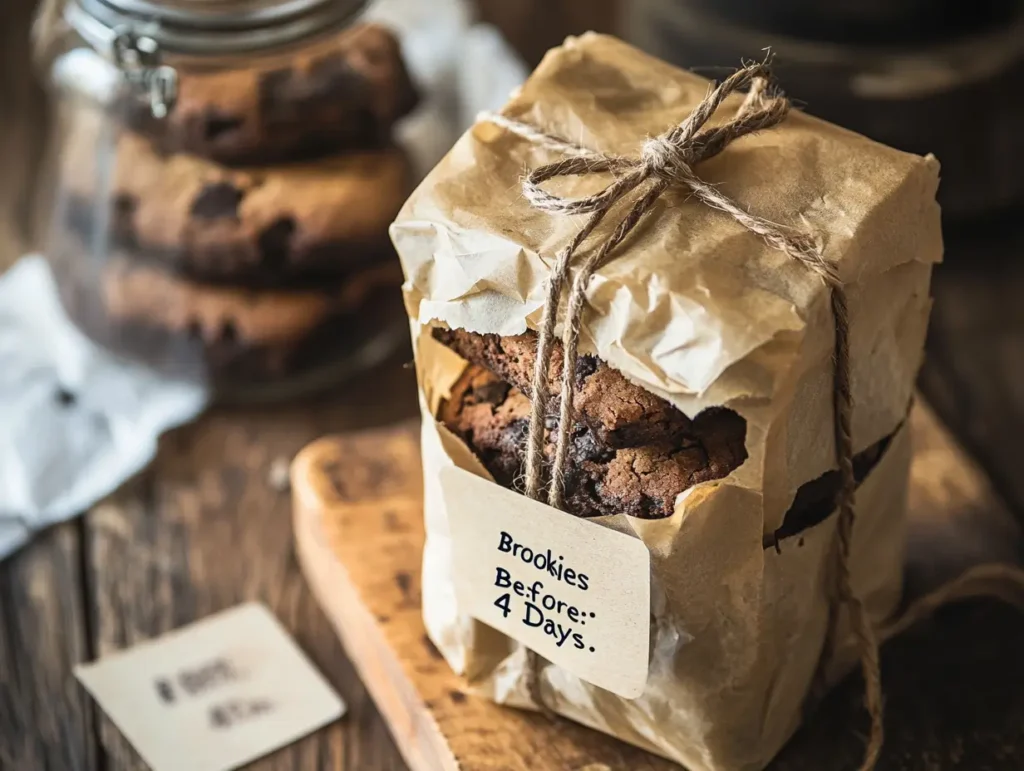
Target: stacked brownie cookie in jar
{"points": [[225, 181]]}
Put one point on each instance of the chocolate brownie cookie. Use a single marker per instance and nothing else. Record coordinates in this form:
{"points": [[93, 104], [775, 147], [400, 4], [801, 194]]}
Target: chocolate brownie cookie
{"points": [[345, 94], [257, 227], [619, 413], [492, 417], [141, 293], [185, 328]]}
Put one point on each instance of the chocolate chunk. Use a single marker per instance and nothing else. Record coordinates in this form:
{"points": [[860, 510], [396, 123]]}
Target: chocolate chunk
{"points": [[599, 480], [492, 393], [274, 243], [228, 331], [122, 222], [216, 201], [217, 124], [276, 104], [586, 366]]}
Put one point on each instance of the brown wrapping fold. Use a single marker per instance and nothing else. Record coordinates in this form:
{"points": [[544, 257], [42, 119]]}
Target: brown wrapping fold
{"points": [[701, 312]]}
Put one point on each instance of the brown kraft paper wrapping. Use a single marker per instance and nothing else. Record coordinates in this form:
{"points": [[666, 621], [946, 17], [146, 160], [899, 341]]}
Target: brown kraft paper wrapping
{"points": [[703, 313]]}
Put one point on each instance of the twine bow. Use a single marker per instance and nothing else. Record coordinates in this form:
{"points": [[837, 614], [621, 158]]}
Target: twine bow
{"points": [[667, 161]]}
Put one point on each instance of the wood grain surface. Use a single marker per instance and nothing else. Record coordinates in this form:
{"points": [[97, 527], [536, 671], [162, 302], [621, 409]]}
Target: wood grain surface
{"points": [[359, 533], [46, 720], [202, 529], [359, 527]]}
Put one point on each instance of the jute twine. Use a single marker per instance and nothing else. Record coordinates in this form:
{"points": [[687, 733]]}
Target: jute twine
{"points": [[667, 161]]}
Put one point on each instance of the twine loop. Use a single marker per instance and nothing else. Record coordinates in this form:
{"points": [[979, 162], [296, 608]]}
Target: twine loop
{"points": [[664, 161]]}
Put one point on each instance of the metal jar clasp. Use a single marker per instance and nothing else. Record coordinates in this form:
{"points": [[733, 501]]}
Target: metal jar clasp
{"points": [[138, 57]]}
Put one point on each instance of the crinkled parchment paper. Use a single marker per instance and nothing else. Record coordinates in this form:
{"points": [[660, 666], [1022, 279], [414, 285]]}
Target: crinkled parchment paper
{"points": [[701, 312]]}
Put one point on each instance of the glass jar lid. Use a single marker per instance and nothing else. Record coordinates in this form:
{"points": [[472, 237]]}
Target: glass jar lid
{"points": [[136, 34], [208, 26]]}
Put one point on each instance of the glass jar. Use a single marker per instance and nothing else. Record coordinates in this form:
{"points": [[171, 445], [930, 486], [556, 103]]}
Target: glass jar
{"points": [[224, 179]]}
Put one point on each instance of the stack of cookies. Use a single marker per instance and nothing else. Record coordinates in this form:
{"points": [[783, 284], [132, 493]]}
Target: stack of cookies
{"points": [[247, 228]]}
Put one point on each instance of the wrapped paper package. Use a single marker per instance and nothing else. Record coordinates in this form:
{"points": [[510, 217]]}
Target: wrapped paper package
{"points": [[702, 313]]}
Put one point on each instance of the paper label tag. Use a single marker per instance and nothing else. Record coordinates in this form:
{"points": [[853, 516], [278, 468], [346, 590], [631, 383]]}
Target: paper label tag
{"points": [[214, 695], [573, 591]]}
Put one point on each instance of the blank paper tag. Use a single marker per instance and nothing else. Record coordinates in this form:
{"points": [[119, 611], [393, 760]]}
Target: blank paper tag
{"points": [[573, 591], [214, 695]]}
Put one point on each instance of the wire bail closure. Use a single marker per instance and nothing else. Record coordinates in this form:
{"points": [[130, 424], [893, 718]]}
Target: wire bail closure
{"points": [[139, 59]]}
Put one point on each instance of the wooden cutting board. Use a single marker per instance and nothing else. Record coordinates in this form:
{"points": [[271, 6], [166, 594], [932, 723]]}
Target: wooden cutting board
{"points": [[357, 507]]}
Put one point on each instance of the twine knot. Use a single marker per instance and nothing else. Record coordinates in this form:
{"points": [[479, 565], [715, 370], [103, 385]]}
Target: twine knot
{"points": [[669, 160]]}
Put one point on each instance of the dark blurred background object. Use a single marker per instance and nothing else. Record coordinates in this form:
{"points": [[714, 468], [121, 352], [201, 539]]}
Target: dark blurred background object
{"points": [[534, 26], [23, 125], [927, 76]]}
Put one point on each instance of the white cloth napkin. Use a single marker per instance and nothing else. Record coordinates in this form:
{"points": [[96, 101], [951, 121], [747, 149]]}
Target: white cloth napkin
{"points": [[75, 421]]}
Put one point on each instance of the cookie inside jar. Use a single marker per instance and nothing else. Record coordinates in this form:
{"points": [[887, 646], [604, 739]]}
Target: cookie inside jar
{"points": [[247, 344], [345, 91], [223, 197]]}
